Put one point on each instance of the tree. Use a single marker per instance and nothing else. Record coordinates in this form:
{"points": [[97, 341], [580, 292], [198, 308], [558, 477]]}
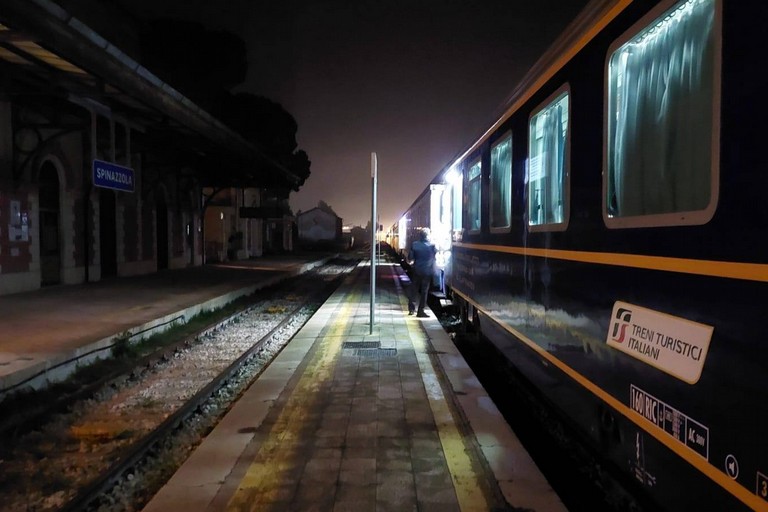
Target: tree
{"points": [[202, 64], [262, 120], [205, 65], [270, 127], [300, 164]]}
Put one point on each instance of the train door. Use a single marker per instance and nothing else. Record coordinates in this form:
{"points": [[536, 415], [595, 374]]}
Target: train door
{"points": [[108, 232], [50, 249]]}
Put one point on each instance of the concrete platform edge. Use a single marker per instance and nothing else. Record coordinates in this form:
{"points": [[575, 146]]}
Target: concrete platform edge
{"points": [[193, 489], [514, 470], [59, 366]]}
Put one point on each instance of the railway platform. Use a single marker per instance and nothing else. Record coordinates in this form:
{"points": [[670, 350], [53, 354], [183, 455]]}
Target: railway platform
{"points": [[355, 415], [45, 334]]}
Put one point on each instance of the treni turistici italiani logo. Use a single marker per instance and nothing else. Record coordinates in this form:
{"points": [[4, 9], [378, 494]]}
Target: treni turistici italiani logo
{"points": [[623, 317], [672, 344]]}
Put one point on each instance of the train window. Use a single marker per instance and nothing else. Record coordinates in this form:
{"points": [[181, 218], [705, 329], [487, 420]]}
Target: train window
{"points": [[501, 184], [548, 164], [662, 108], [454, 184], [473, 193]]}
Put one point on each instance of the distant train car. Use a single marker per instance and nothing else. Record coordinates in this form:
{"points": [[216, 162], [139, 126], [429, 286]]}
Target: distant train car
{"points": [[437, 209], [612, 242]]}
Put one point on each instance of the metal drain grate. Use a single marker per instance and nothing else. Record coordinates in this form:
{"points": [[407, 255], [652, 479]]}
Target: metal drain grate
{"points": [[387, 352], [375, 353], [360, 344]]}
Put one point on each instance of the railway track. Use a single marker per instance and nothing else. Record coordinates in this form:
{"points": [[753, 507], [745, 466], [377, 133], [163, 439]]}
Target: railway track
{"points": [[114, 446]]}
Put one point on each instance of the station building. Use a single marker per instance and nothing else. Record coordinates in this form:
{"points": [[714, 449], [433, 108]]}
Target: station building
{"points": [[319, 225], [106, 170]]}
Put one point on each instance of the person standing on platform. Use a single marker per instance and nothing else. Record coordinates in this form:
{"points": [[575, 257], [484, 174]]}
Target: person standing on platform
{"points": [[422, 256]]}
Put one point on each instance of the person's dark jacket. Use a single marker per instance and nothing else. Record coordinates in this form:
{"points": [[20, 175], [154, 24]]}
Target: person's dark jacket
{"points": [[423, 255]]}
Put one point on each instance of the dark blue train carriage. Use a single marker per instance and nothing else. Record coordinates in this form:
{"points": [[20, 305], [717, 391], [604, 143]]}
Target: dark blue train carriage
{"points": [[610, 240]]}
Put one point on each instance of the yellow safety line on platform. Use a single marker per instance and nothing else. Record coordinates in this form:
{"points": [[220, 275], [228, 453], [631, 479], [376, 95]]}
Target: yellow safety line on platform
{"points": [[266, 476], [468, 492]]}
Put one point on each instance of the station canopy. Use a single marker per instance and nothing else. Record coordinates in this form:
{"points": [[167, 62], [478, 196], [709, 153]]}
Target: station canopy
{"points": [[50, 58]]}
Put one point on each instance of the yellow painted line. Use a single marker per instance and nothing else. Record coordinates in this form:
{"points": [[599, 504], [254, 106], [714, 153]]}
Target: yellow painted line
{"points": [[465, 482], [262, 482], [711, 268], [693, 458]]}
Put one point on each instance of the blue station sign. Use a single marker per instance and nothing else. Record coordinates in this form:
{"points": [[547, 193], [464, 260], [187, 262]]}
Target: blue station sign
{"points": [[109, 175]]}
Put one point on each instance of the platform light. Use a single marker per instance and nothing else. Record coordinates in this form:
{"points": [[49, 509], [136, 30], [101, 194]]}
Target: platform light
{"points": [[667, 21], [452, 176]]}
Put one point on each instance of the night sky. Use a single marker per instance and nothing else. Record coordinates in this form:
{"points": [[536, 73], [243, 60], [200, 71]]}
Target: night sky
{"points": [[413, 80]]}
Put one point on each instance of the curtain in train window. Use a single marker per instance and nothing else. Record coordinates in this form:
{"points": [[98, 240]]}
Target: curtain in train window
{"points": [[473, 191], [501, 183], [547, 166], [660, 101]]}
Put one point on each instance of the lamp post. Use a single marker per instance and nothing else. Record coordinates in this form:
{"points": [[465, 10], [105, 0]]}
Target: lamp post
{"points": [[374, 225]]}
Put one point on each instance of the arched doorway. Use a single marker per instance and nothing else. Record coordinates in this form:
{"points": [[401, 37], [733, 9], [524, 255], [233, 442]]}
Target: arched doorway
{"points": [[161, 229], [50, 248], [108, 233]]}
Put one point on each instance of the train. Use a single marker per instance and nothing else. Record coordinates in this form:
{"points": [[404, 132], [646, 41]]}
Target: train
{"points": [[608, 234]]}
